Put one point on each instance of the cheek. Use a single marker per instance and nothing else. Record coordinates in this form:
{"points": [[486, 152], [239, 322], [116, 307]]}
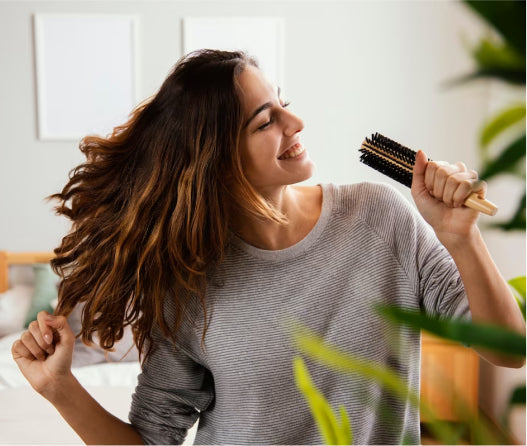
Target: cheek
{"points": [[245, 156], [257, 154], [257, 168], [248, 162], [251, 165]]}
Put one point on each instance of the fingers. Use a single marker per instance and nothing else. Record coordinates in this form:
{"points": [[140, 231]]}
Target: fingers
{"points": [[452, 183], [33, 343], [39, 341], [44, 329], [60, 326], [20, 351]]}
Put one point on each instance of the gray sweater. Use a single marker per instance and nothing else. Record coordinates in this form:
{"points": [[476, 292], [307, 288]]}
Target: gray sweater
{"points": [[368, 247]]}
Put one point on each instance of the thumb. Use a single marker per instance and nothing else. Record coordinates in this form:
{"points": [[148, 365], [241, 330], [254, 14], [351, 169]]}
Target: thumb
{"points": [[418, 177], [61, 330], [421, 160]]}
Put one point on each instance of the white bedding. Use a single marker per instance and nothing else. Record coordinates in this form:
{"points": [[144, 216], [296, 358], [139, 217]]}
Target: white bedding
{"points": [[27, 418], [103, 374]]}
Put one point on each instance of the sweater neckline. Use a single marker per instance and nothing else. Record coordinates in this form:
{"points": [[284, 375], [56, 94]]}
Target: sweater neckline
{"points": [[304, 244]]}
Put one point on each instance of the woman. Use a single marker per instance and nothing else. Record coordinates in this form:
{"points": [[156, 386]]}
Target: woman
{"points": [[187, 226]]}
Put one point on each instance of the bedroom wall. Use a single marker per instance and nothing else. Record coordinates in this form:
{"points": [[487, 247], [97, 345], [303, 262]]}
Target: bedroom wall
{"points": [[351, 68]]}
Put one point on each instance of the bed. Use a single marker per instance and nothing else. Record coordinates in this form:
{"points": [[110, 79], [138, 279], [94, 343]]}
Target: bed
{"points": [[26, 417]]}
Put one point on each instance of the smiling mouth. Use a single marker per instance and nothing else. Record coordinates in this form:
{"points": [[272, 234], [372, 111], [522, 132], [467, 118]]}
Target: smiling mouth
{"points": [[293, 152]]}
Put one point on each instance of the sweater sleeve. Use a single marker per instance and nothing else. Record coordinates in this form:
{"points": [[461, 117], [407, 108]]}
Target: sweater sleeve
{"points": [[428, 265], [172, 390], [441, 291]]}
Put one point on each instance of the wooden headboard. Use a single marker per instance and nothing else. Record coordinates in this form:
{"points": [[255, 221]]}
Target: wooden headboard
{"points": [[8, 258]]}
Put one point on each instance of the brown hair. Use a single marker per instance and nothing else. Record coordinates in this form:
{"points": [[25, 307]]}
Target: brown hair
{"points": [[151, 206]]}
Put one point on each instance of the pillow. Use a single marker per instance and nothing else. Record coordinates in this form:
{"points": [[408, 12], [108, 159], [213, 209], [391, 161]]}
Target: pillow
{"points": [[14, 305], [44, 291]]}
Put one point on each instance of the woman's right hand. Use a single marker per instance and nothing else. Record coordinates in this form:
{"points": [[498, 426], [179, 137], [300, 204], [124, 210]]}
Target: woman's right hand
{"points": [[44, 353]]}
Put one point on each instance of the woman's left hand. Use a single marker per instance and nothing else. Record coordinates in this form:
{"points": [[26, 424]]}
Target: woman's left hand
{"points": [[439, 190]]}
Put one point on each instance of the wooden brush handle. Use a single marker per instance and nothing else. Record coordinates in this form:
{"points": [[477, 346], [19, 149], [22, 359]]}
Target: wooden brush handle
{"points": [[481, 204]]}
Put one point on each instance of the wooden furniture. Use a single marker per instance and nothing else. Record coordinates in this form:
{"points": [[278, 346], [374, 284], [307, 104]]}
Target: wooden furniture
{"points": [[449, 379], [19, 258]]}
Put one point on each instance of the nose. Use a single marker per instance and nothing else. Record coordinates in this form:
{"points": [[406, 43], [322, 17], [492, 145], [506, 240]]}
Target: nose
{"points": [[293, 124]]}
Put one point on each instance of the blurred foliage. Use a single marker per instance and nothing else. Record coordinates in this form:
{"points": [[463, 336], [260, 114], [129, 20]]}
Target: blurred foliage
{"points": [[503, 120], [518, 287], [332, 431], [502, 57], [517, 397], [314, 347], [489, 337], [507, 18]]}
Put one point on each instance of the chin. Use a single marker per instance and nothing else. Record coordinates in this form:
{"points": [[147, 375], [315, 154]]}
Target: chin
{"points": [[309, 171]]}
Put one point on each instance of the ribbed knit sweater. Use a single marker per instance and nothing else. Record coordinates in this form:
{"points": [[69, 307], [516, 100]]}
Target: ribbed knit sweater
{"points": [[368, 247]]}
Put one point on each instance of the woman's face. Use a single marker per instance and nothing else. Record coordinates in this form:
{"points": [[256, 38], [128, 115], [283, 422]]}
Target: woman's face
{"points": [[271, 152]]}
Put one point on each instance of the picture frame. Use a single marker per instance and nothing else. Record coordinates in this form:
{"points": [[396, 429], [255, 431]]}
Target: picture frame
{"points": [[86, 73], [262, 37]]}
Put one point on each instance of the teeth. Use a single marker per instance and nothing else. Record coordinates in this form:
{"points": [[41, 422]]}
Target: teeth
{"points": [[294, 151]]}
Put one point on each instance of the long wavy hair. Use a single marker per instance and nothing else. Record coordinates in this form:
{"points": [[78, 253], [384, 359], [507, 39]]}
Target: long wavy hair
{"points": [[152, 204]]}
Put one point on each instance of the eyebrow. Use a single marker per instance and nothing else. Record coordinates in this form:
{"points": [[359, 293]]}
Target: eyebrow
{"points": [[260, 109]]}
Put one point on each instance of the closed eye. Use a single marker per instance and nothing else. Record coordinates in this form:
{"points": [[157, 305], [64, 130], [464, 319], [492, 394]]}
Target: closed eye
{"points": [[268, 123]]}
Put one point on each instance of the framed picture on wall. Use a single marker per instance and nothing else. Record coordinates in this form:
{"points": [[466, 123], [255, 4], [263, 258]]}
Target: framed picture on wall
{"points": [[85, 72], [262, 37]]}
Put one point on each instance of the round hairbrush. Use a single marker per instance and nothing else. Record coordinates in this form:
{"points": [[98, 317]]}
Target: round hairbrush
{"points": [[397, 161]]}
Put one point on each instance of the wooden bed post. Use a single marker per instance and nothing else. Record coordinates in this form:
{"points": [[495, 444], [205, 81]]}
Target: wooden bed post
{"points": [[4, 272], [19, 258]]}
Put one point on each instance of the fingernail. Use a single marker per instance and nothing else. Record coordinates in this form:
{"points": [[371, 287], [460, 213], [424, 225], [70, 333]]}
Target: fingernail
{"points": [[48, 338]]}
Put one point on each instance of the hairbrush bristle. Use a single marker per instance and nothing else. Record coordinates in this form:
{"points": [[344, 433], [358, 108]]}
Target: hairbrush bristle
{"points": [[397, 162], [388, 157]]}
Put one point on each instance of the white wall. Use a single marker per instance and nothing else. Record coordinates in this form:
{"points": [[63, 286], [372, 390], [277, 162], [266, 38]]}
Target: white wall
{"points": [[352, 68]]}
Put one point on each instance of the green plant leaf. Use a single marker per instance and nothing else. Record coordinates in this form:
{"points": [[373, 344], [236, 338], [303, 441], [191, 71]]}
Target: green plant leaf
{"points": [[345, 426], [508, 161], [518, 396], [491, 55], [518, 286], [517, 222], [314, 346], [506, 17], [512, 76], [500, 122], [487, 336], [494, 60], [332, 432]]}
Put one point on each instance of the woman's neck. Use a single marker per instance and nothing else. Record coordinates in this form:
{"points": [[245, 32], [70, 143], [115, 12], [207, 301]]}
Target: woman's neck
{"points": [[301, 206]]}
